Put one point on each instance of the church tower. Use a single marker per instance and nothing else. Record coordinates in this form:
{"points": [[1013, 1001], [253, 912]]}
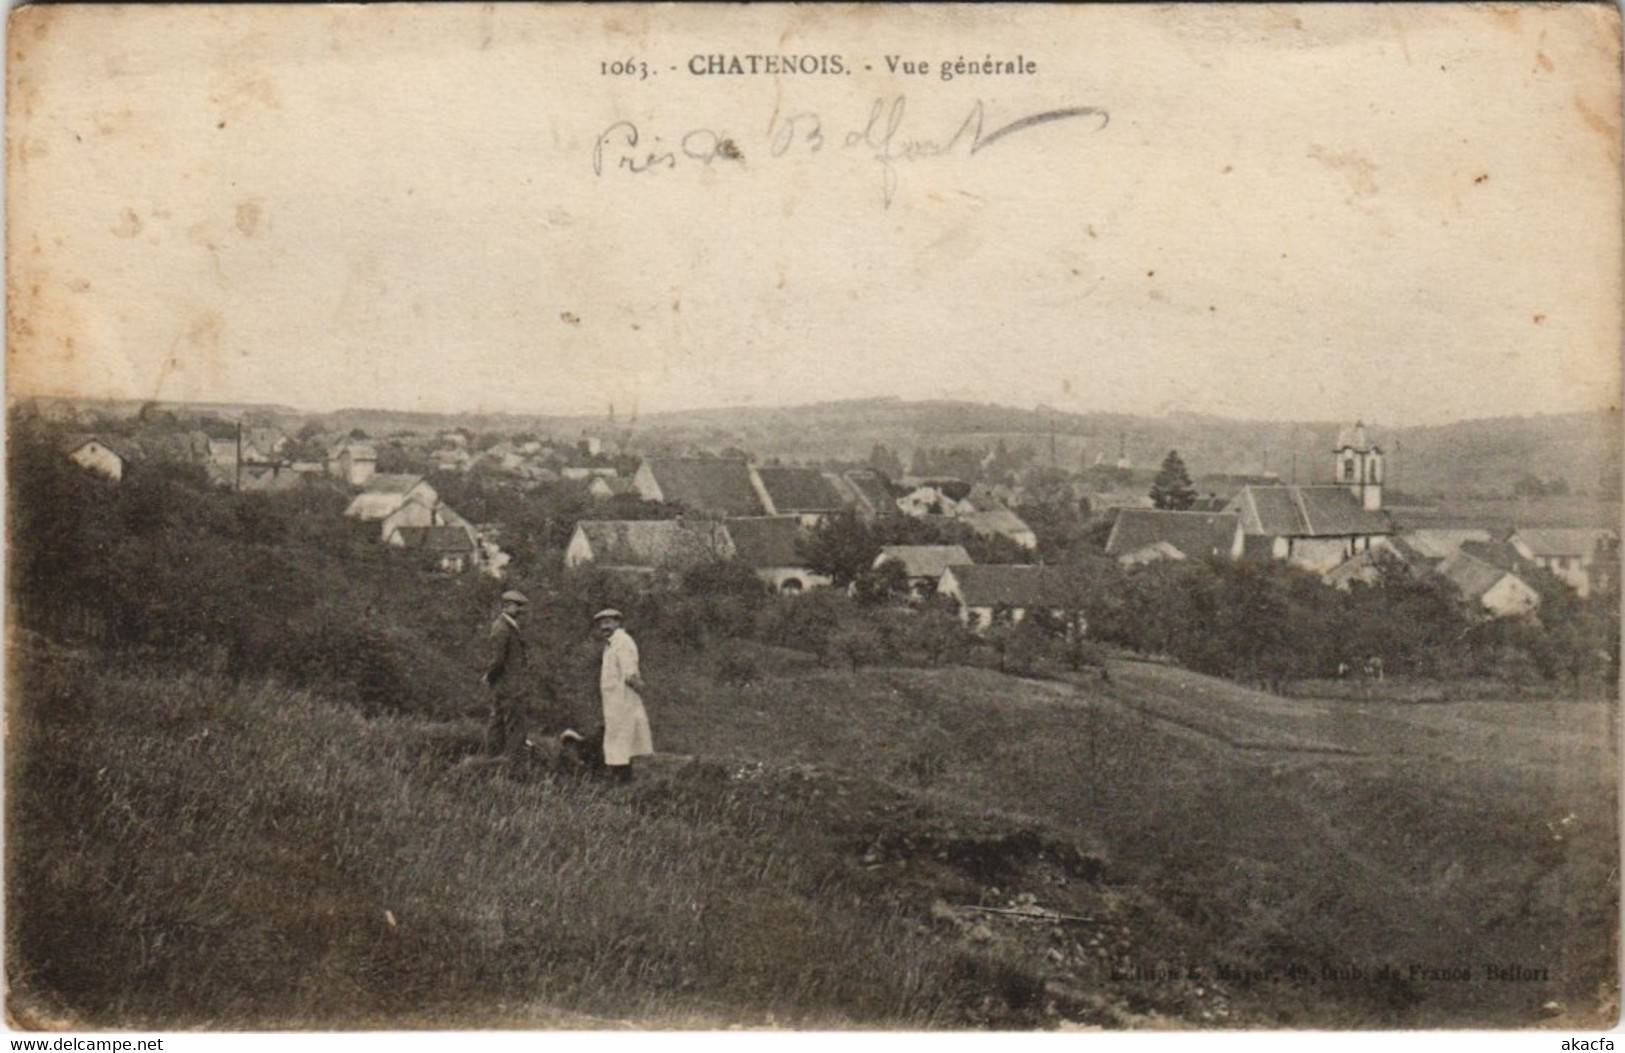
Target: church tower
{"points": [[1359, 466]]}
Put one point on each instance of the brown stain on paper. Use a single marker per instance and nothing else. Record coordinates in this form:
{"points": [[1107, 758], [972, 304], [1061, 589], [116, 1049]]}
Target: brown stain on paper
{"points": [[129, 224], [1351, 165], [1606, 128], [248, 218]]}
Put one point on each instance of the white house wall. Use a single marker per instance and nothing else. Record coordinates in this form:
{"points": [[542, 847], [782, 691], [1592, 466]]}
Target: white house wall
{"points": [[579, 550], [645, 484], [412, 513], [99, 459], [1510, 597], [1322, 554]]}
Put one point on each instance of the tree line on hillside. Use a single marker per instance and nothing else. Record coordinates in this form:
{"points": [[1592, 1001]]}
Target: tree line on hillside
{"points": [[1271, 623]]}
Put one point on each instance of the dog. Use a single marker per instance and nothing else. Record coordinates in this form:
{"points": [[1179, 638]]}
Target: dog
{"points": [[581, 753]]}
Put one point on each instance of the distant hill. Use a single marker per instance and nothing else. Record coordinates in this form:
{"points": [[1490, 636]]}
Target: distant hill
{"points": [[1470, 458], [1477, 458]]}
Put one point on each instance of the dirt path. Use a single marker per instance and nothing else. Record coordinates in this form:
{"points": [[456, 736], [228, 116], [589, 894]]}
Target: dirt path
{"points": [[1541, 734]]}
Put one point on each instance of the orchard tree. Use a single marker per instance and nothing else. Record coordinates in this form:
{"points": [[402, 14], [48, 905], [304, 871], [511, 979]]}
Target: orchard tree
{"points": [[841, 547], [1172, 489]]}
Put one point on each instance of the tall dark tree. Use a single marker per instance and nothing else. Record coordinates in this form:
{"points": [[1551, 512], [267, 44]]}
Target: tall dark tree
{"points": [[1171, 489], [841, 547]]}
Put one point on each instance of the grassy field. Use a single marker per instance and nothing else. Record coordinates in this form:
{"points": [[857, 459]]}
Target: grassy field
{"points": [[887, 848], [1280, 832]]}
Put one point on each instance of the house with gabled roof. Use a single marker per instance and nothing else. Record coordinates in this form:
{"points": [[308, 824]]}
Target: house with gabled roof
{"points": [[352, 460], [644, 546], [934, 497], [1369, 566], [263, 444], [96, 454], [383, 494], [1001, 522], [924, 565], [1584, 559], [802, 492], [1147, 535], [985, 592], [446, 547], [223, 453], [394, 501], [1489, 589], [867, 493], [706, 485], [1439, 544], [769, 545]]}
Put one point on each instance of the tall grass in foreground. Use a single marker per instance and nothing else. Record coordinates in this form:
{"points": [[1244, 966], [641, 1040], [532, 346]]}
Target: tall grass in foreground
{"points": [[183, 851]]}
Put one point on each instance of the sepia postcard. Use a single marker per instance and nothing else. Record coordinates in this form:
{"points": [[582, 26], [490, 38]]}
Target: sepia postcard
{"points": [[873, 518]]}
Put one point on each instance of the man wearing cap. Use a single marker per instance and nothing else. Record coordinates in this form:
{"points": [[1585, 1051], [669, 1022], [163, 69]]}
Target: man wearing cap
{"points": [[504, 675], [626, 724]]}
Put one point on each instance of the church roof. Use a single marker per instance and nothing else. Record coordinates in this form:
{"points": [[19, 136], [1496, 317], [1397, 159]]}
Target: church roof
{"points": [[1306, 511], [1353, 438]]}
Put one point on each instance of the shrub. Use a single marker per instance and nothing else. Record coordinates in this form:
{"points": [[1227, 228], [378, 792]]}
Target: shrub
{"points": [[856, 644], [803, 622], [736, 667], [1027, 647], [936, 633], [876, 585]]}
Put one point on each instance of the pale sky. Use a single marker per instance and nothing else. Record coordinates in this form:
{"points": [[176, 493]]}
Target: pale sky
{"points": [[1409, 214]]}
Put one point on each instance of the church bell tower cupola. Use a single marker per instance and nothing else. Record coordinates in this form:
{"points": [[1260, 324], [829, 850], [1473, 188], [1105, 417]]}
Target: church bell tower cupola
{"points": [[1359, 466]]}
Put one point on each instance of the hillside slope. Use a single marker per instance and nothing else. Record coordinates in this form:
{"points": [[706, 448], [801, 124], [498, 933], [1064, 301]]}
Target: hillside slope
{"points": [[881, 848], [1283, 834]]}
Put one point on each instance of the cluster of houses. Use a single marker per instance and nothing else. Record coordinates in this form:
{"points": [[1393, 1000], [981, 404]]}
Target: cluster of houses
{"points": [[757, 514], [535, 461], [1340, 531], [251, 461], [411, 516]]}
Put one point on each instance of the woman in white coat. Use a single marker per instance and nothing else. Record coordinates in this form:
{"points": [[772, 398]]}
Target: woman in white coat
{"points": [[626, 724]]}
